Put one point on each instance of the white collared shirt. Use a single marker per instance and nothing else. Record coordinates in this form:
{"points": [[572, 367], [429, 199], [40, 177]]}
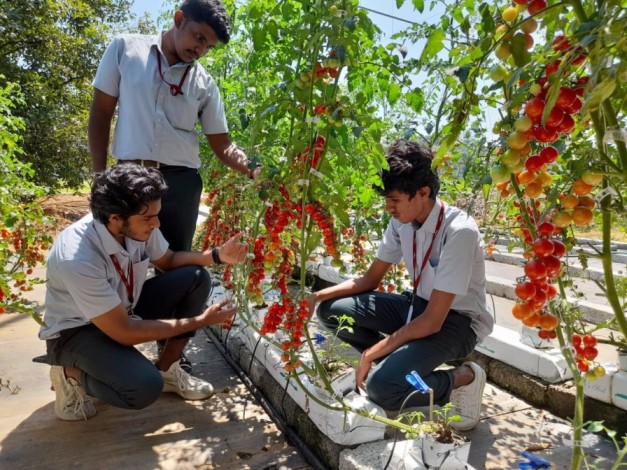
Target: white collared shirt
{"points": [[456, 264], [82, 281], [152, 124]]}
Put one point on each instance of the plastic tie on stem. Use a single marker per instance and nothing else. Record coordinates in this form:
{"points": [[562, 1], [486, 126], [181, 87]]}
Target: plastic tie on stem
{"points": [[416, 381], [533, 462]]}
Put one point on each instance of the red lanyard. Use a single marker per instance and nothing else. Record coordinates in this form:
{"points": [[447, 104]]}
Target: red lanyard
{"points": [[127, 281], [174, 89], [424, 260]]}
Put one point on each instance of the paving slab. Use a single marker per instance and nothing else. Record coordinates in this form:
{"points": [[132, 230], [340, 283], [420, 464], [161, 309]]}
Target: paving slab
{"points": [[228, 431]]}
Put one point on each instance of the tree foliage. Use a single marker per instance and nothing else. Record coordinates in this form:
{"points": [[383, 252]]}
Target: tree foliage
{"points": [[51, 49]]}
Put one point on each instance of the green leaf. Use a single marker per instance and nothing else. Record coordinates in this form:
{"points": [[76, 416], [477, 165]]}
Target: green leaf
{"points": [[435, 43], [394, 93], [418, 5], [399, 3], [519, 50], [259, 38], [600, 93], [487, 20], [415, 99]]}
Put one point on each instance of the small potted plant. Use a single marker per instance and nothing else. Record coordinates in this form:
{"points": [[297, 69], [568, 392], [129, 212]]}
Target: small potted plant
{"points": [[339, 371], [441, 443]]}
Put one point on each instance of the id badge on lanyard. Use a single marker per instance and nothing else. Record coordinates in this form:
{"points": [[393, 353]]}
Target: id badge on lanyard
{"points": [[424, 263]]}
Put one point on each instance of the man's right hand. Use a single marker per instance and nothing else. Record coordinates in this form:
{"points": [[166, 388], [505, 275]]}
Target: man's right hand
{"points": [[217, 313]]}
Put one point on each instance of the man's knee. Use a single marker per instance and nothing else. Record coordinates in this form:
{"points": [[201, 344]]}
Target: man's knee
{"points": [[385, 390], [144, 391], [326, 316]]}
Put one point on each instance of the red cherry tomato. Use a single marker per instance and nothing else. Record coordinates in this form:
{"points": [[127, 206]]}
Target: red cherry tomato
{"points": [[535, 269], [553, 266], [546, 229], [589, 341], [543, 247], [525, 290], [559, 249], [549, 154]]}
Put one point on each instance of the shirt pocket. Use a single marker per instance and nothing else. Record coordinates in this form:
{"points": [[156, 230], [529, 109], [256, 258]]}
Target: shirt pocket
{"points": [[427, 281], [182, 112], [140, 270]]}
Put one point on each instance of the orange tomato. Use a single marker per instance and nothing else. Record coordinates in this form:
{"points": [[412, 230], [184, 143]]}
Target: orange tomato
{"points": [[532, 320], [548, 322], [521, 311], [582, 215], [581, 188], [526, 177], [569, 201], [562, 219], [587, 201], [533, 190]]}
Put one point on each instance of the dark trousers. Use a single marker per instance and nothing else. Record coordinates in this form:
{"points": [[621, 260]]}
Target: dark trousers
{"points": [[377, 314], [121, 375], [179, 206]]}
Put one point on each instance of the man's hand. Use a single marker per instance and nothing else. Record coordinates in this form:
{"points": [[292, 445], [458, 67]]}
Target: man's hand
{"points": [[365, 364], [217, 313], [311, 304], [233, 251]]}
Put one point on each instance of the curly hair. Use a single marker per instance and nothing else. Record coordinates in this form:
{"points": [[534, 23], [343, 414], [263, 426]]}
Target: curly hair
{"points": [[409, 169], [125, 190], [211, 12]]}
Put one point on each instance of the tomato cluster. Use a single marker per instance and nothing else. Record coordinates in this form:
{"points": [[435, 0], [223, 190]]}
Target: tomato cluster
{"points": [[21, 249], [584, 348], [310, 159], [542, 268]]}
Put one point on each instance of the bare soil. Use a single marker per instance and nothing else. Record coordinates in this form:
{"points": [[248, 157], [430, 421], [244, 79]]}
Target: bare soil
{"points": [[65, 209]]}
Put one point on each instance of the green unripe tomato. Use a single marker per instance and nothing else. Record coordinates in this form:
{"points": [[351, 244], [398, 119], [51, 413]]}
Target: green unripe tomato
{"points": [[499, 173], [523, 124], [502, 52]]}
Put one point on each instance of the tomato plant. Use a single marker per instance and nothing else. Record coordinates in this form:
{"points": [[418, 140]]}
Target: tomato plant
{"points": [[23, 228]]}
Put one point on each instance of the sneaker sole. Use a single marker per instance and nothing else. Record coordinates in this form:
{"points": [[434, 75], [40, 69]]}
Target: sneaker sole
{"points": [[167, 388]]}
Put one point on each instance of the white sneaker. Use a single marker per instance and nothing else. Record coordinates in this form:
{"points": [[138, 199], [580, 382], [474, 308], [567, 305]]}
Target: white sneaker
{"points": [[176, 380], [467, 400], [72, 403]]}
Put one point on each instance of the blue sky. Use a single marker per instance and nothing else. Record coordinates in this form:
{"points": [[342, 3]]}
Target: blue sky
{"points": [[388, 25]]}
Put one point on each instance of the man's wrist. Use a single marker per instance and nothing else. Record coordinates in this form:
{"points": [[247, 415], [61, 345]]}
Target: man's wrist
{"points": [[215, 255]]}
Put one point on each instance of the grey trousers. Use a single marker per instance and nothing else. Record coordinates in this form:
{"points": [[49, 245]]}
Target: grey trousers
{"points": [[121, 375], [377, 314]]}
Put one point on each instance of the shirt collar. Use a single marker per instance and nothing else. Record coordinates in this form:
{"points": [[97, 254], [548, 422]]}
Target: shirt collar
{"points": [[110, 244], [431, 223], [157, 43]]}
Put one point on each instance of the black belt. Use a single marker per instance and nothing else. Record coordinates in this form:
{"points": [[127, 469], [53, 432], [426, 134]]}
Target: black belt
{"points": [[151, 164]]}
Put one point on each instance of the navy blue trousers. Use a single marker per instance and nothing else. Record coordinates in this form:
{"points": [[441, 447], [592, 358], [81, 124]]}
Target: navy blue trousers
{"points": [[377, 314]]}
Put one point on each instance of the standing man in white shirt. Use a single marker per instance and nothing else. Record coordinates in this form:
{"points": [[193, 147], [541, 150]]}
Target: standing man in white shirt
{"points": [[161, 93], [445, 314], [99, 303]]}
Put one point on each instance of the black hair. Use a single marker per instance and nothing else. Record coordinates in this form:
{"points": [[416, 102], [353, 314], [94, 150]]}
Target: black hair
{"points": [[409, 169], [211, 12], [125, 190]]}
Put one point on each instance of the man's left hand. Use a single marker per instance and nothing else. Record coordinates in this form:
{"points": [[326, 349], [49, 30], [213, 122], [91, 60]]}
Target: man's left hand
{"points": [[233, 251], [365, 364]]}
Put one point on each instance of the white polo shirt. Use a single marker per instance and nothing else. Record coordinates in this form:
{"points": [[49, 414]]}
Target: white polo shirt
{"points": [[456, 264], [152, 124], [82, 281]]}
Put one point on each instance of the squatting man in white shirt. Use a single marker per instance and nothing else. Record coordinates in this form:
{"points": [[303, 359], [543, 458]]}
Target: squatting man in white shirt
{"points": [[99, 303], [445, 314]]}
